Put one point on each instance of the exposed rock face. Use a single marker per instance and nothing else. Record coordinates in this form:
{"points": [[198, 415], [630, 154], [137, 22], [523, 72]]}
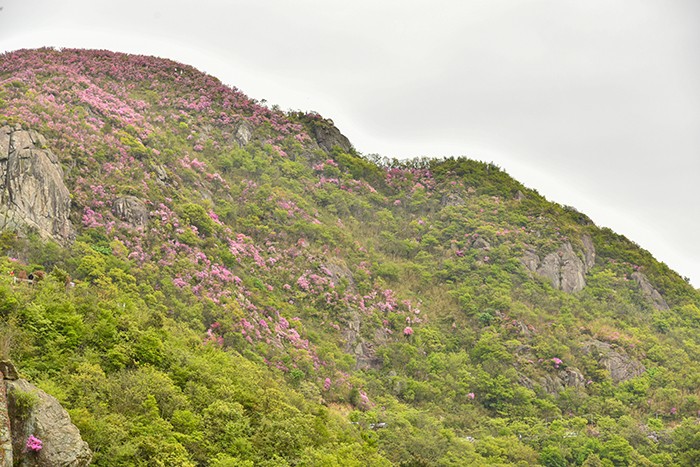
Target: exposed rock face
{"points": [[649, 292], [530, 260], [588, 252], [363, 349], [48, 421], [130, 209], [565, 378], [481, 243], [243, 133], [340, 273], [564, 269], [32, 192], [327, 136], [452, 199], [8, 370], [161, 174], [621, 367], [5, 431]]}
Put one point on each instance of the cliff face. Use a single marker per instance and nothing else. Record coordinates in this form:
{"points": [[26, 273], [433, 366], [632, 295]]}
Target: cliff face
{"points": [[32, 191], [564, 268]]}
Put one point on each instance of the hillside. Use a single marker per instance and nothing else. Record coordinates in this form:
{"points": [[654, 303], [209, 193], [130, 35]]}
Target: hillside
{"points": [[224, 283]]}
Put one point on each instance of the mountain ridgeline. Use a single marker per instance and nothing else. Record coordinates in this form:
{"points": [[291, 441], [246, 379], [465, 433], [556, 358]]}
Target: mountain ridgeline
{"points": [[202, 280]]}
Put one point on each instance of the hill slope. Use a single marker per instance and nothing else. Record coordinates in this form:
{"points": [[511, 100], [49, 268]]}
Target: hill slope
{"points": [[228, 284]]}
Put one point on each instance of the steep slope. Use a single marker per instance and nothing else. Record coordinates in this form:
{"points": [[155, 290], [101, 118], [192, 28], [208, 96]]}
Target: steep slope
{"points": [[238, 286]]}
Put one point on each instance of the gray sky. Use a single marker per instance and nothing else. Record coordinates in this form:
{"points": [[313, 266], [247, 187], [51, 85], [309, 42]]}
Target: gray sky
{"points": [[595, 103]]}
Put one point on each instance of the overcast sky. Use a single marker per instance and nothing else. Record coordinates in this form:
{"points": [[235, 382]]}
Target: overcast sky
{"points": [[594, 103]]}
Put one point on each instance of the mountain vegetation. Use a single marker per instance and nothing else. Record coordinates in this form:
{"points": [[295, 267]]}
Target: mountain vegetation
{"points": [[226, 284]]}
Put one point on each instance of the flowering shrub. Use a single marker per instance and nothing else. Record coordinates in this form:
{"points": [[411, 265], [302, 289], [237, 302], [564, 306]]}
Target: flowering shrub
{"points": [[34, 444]]}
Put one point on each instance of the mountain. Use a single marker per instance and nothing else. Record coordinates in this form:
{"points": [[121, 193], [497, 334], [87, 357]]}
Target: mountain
{"points": [[200, 279]]}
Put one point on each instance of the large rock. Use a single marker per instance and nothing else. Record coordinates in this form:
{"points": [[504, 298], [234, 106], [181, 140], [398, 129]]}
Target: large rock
{"points": [[588, 252], [32, 191], [131, 210], [562, 379], [328, 136], [243, 133], [563, 268], [620, 366], [649, 292], [48, 421], [5, 428]]}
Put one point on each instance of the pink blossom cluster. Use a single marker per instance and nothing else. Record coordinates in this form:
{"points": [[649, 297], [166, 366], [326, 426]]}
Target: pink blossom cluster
{"points": [[34, 444]]}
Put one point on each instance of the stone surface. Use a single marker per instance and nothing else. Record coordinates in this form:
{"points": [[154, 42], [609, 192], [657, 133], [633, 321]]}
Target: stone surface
{"points": [[48, 421], [452, 199], [649, 292], [243, 133], [481, 243], [8, 369], [563, 268], [130, 209], [339, 273], [562, 379], [588, 252], [621, 366], [161, 173], [531, 260], [327, 136], [32, 191], [572, 269], [5, 433]]}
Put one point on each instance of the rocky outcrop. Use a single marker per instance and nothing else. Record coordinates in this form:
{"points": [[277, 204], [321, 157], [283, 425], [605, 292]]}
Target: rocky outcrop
{"points": [[32, 191], [565, 378], [452, 199], [328, 136], [563, 268], [243, 133], [161, 174], [62, 445], [588, 252], [620, 365], [554, 383], [5, 427], [362, 348], [481, 244], [340, 274], [131, 210], [649, 292]]}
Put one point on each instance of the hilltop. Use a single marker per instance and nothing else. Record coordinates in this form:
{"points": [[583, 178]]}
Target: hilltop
{"points": [[224, 283]]}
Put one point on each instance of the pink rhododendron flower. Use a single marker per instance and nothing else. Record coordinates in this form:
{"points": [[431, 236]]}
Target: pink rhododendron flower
{"points": [[34, 444]]}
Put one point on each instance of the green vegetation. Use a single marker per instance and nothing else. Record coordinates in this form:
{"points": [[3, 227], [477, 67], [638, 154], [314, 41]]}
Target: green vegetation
{"points": [[286, 305]]}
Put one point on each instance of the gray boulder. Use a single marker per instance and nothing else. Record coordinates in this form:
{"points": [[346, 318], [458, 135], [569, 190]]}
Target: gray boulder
{"points": [[588, 252], [32, 191], [563, 268], [48, 421], [562, 379], [328, 136], [620, 365], [131, 210], [243, 133], [649, 292]]}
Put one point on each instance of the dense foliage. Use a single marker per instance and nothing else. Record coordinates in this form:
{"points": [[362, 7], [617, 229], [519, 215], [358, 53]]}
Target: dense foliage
{"points": [[290, 305]]}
